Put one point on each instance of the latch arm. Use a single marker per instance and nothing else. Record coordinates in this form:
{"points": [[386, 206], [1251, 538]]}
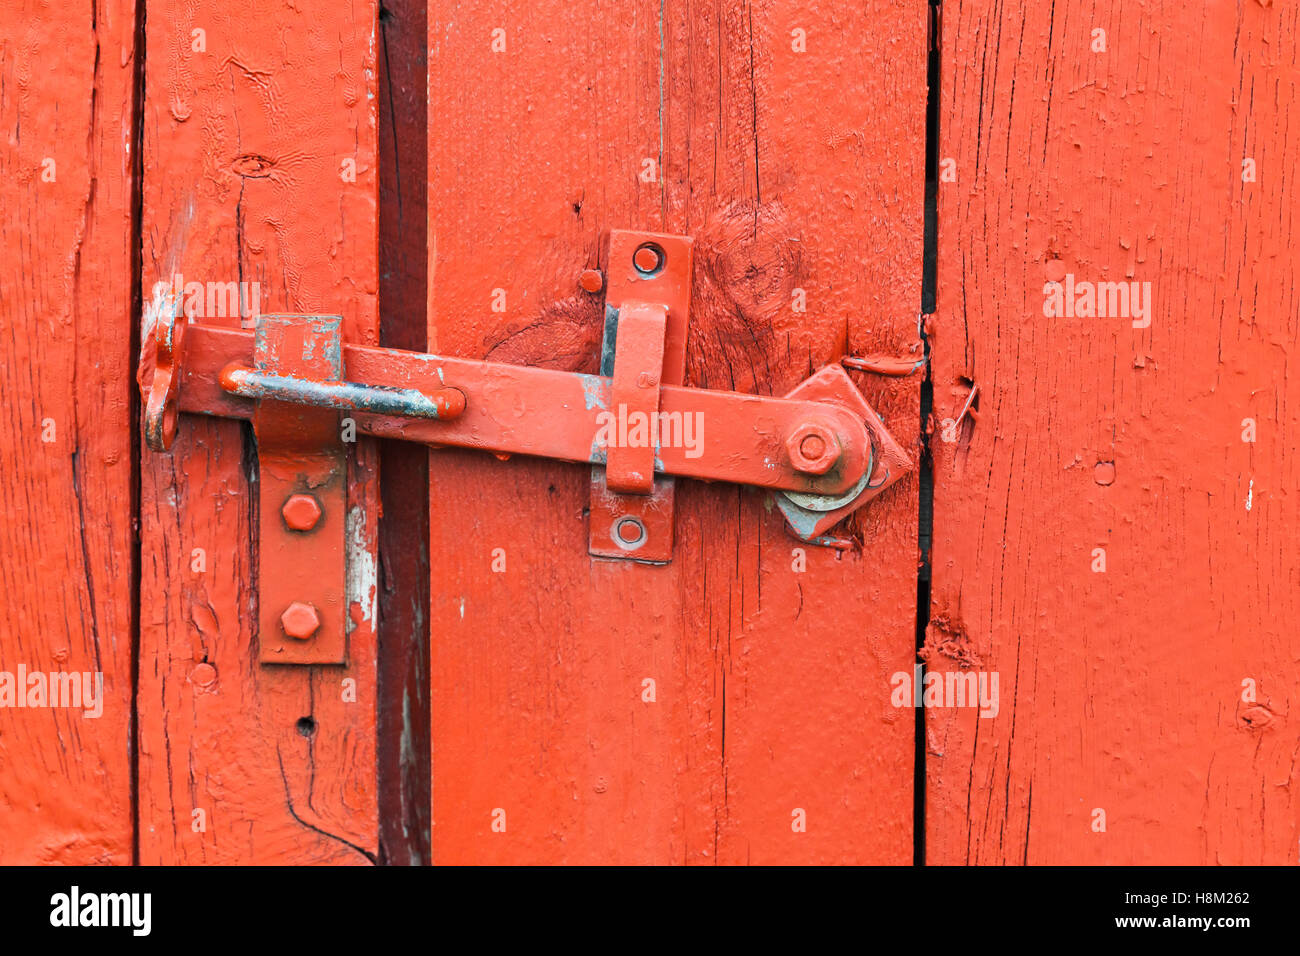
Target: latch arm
{"points": [[516, 409]]}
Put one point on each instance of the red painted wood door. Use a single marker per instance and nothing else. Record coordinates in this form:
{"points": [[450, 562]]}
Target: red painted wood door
{"points": [[725, 707]]}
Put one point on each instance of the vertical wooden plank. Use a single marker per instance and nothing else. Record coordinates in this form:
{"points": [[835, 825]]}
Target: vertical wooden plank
{"points": [[259, 165], [800, 174], [66, 82], [1139, 143]]}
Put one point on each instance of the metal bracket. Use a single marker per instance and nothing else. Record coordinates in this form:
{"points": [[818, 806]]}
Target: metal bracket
{"points": [[821, 449], [647, 302], [302, 497]]}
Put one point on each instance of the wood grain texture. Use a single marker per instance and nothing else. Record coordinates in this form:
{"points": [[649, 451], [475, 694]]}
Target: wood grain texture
{"points": [[1121, 690], [792, 171], [65, 440], [247, 146]]}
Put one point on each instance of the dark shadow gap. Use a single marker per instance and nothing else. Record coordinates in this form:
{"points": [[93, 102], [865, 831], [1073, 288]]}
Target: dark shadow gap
{"points": [[925, 511], [402, 718], [133, 321]]}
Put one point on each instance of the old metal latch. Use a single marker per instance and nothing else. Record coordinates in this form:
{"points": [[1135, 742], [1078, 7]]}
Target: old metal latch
{"points": [[821, 449]]}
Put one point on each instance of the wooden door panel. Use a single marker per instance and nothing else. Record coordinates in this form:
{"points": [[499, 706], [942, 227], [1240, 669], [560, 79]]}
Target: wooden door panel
{"points": [[792, 171], [1124, 691], [66, 80], [259, 138]]}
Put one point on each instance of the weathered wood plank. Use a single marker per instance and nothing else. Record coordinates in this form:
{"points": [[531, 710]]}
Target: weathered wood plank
{"points": [[1122, 691], [259, 165], [794, 171], [65, 467]]}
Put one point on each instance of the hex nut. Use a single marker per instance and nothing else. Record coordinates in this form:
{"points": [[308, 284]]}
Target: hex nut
{"points": [[301, 512], [300, 621], [813, 448]]}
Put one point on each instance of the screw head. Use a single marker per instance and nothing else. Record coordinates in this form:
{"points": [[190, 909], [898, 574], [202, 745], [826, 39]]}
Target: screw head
{"points": [[591, 280], [301, 512], [300, 621], [813, 448]]}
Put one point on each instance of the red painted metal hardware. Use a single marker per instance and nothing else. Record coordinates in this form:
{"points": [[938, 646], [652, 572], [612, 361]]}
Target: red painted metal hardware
{"points": [[634, 393], [301, 512], [813, 448], [160, 353], [834, 542], [345, 396], [891, 365], [811, 515], [645, 269], [302, 474], [969, 407], [300, 621], [821, 449]]}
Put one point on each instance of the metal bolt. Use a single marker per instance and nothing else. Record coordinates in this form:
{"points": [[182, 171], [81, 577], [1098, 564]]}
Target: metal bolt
{"points": [[301, 512], [813, 448], [647, 259], [300, 621], [591, 280]]}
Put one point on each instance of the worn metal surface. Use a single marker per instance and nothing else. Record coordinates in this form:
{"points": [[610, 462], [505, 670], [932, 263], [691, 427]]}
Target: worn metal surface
{"points": [[344, 396], [534, 411], [162, 345], [810, 515], [300, 453], [640, 527], [634, 400]]}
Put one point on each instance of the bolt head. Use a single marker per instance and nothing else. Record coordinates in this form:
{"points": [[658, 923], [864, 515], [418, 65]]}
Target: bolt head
{"points": [[301, 512], [647, 259], [813, 448], [591, 280], [300, 621]]}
